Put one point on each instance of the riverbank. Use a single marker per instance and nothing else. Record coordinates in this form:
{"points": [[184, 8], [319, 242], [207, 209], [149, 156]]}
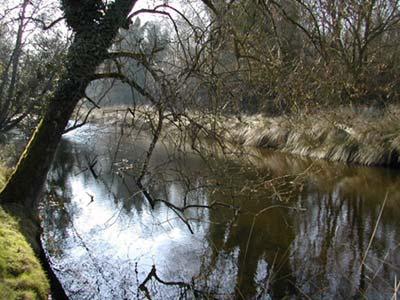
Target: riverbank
{"points": [[21, 274], [357, 136], [364, 138]]}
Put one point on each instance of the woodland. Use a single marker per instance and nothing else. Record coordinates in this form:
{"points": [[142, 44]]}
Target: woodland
{"points": [[293, 99]]}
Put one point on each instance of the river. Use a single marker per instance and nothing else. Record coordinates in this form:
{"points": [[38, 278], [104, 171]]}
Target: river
{"points": [[280, 225]]}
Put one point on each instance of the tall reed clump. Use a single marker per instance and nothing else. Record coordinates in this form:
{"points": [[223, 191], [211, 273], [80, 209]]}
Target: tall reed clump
{"points": [[343, 135]]}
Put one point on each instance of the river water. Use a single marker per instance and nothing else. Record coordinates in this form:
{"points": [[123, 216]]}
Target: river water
{"points": [[280, 226]]}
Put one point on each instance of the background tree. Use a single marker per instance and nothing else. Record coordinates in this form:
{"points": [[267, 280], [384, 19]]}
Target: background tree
{"points": [[139, 45], [30, 64], [94, 34], [291, 56]]}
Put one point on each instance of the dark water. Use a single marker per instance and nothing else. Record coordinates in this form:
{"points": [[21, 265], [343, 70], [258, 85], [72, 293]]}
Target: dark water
{"points": [[282, 226]]}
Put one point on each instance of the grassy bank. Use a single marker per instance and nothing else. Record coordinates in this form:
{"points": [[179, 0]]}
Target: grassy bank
{"points": [[343, 135], [21, 275]]}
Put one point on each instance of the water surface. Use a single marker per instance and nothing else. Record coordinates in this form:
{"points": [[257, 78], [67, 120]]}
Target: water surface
{"points": [[281, 226]]}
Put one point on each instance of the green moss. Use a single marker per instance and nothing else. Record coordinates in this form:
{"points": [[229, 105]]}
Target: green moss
{"points": [[4, 172], [21, 275]]}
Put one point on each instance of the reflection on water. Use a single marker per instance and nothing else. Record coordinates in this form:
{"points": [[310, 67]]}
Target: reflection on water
{"points": [[304, 228]]}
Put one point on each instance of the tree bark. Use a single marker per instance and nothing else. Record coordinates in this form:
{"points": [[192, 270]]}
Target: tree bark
{"points": [[7, 87], [86, 53]]}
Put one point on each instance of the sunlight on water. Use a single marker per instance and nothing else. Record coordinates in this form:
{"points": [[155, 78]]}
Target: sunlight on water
{"points": [[103, 237]]}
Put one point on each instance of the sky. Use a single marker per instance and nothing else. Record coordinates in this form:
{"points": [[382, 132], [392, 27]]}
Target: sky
{"points": [[180, 5], [191, 9]]}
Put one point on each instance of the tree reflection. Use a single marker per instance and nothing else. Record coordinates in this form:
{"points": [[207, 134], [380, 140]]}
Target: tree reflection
{"points": [[304, 228]]}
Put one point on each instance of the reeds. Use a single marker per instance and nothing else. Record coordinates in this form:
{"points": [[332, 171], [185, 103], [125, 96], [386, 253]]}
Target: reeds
{"points": [[346, 136]]}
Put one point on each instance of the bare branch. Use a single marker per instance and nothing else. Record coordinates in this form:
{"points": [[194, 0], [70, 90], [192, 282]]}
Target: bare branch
{"points": [[44, 25]]}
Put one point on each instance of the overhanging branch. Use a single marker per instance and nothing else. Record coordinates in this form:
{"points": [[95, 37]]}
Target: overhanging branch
{"points": [[44, 25], [126, 80]]}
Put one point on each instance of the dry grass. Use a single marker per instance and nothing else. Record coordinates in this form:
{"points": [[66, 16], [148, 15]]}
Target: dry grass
{"points": [[335, 136]]}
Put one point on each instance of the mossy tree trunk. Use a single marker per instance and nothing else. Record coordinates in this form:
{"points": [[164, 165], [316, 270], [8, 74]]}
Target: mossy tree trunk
{"points": [[95, 30]]}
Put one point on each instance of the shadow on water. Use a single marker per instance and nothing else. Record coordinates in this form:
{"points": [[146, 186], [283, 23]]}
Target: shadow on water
{"points": [[303, 229]]}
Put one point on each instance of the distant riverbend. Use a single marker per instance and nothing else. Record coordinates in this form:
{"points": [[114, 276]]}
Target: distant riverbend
{"points": [[342, 135]]}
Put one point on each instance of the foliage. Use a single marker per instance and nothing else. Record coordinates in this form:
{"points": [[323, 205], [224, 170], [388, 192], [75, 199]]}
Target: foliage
{"points": [[288, 55], [30, 64], [148, 43], [82, 15]]}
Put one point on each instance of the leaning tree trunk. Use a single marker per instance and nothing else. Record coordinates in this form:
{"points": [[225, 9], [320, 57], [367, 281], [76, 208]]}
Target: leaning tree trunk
{"points": [[86, 53]]}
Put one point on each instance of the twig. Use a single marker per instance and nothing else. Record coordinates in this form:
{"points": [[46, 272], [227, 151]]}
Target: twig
{"points": [[181, 284], [44, 26], [396, 288], [374, 232]]}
